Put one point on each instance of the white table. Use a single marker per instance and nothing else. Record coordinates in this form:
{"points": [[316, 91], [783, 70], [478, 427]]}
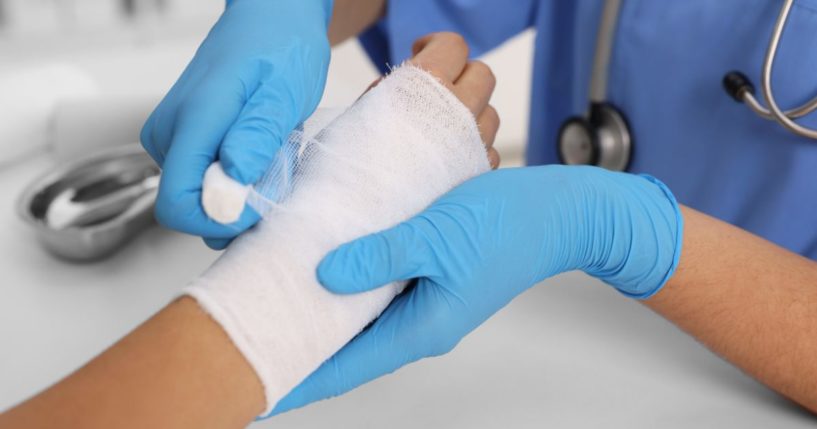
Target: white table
{"points": [[568, 353]]}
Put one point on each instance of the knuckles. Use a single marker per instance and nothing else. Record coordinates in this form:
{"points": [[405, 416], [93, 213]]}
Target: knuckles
{"points": [[456, 40], [490, 118], [484, 73]]}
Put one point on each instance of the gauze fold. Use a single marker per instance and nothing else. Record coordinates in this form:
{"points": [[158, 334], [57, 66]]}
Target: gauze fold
{"points": [[387, 157]]}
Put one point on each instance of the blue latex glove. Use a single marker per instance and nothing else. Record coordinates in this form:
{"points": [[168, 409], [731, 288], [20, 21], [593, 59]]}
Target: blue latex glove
{"points": [[258, 74], [484, 243]]}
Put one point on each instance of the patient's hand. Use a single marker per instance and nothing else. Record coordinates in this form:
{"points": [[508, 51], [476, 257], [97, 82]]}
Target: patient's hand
{"points": [[387, 157], [445, 55]]}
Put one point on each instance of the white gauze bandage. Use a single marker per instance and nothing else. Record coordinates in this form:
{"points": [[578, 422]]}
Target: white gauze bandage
{"points": [[398, 148]]}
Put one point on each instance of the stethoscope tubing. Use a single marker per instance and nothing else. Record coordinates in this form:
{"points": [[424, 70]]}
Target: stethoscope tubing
{"points": [[594, 138], [766, 82]]}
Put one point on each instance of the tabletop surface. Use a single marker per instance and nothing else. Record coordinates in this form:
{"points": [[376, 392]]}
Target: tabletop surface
{"points": [[569, 353]]}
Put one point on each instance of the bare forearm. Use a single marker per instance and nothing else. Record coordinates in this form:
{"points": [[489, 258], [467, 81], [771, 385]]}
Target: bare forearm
{"points": [[351, 17], [748, 300], [178, 370]]}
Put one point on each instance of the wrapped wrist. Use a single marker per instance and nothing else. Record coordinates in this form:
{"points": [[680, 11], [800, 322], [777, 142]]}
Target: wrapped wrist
{"points": [[397, 149]]}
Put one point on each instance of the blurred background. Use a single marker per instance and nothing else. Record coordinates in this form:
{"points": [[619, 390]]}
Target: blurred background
{"points": [[76, 74]]}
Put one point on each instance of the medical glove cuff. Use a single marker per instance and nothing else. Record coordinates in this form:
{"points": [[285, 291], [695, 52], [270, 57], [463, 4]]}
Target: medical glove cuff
{"points": [[644, 248]]}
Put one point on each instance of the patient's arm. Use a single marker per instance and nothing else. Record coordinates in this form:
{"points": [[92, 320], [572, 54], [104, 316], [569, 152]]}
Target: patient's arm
{"points": [[180, 369], [177, 370], [748, 300]]}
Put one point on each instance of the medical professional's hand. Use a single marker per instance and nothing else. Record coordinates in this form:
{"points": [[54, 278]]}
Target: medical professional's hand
{"points": [[258, 74], [484, 243]]}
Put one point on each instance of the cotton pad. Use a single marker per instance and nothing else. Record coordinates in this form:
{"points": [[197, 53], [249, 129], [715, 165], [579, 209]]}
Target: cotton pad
{"points": [[222, 197], [387, 157]]}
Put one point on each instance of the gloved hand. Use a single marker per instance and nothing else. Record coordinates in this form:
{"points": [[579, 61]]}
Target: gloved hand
{"points": [[482, 244], [258, 74]]}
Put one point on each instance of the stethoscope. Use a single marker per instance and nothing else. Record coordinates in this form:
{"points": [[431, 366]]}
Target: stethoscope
{"points": [[602, 136]]}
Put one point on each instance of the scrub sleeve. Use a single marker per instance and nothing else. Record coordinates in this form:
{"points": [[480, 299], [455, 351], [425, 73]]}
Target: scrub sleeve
{"points": [[485, 24]]}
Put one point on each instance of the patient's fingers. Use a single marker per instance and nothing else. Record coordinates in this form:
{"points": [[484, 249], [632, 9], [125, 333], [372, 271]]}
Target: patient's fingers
{"points": [[493, 158], [475, 86], [488, 123], [442, 54], [445, 55]]}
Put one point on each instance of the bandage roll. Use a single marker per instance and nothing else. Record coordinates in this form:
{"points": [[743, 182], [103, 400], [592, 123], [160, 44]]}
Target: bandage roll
{"points": [[387, 157]]}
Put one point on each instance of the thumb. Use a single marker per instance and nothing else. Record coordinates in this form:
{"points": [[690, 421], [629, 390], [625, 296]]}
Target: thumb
{"points": [[251, 144], [400, 253]]}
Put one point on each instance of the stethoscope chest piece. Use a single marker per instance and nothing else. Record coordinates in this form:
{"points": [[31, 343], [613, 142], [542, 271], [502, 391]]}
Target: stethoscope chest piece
{"points": [[602, 139]]}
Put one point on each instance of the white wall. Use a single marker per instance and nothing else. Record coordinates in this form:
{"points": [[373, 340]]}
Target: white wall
{"points": [[141, 57]]}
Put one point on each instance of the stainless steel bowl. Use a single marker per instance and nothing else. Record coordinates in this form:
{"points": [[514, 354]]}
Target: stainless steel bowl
{"points": [[94, 181]]}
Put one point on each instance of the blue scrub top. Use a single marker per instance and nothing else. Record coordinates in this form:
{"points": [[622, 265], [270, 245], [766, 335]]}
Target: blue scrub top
{"points": [[668, 61]]}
